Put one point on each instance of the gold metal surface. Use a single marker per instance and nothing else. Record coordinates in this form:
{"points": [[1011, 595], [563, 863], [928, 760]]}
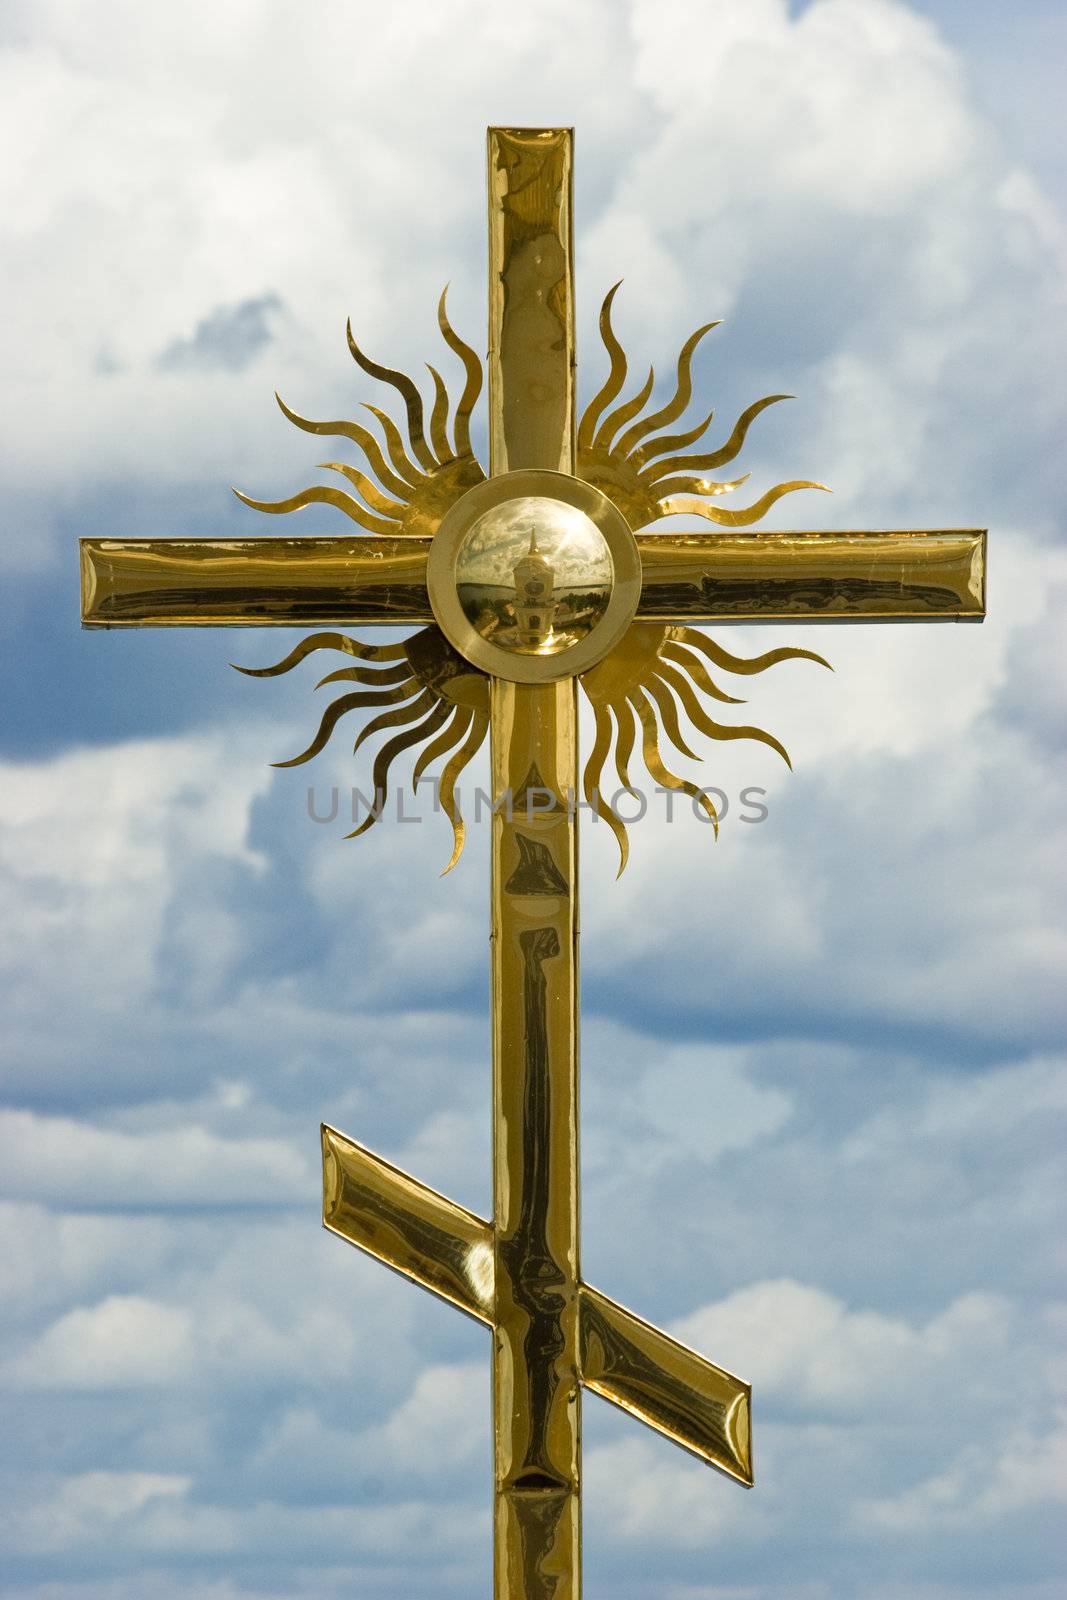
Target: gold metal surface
{"points": [[534, 908], [448, 1250], [823, 576], [820, 576], [534, 942], [520, 1275], [531, 299], [253, 583], [501, 492]]}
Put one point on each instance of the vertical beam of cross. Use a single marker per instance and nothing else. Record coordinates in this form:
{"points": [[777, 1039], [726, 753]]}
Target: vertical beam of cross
{"points": [[534, 751]]}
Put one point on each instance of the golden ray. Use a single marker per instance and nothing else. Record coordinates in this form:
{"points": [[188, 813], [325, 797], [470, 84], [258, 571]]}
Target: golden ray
{"points": [[473, 385], [450, 736], [360, 436], [702, 486], [408, 392], [356, 701], [654, 761], [615, 379], [326, 641], [320, 494], [410, 712], [413, 483], [376, 498], [370, 675], [623, 413], [695, 672], [659, 668], [624, 748], [439, 416], [594, 769], [684, 505], [683, 393], [716, 458], [666, 442], [647, 471], [744, 665], [387, 754], [446, 794], [394, 444], [420, 681], [657, 689]]}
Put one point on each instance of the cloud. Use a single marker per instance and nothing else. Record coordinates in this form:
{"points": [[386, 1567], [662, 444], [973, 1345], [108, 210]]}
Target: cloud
{"points": [[820, 1081], [979, 1486], [58, 1159], [805, 1350], [230, 338], [123, 1342]]}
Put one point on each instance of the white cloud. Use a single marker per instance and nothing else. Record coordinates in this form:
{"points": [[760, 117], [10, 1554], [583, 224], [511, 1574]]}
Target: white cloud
{"points": [[984, 1483], [123, 1342], [60, 1159], [799, 1345]]}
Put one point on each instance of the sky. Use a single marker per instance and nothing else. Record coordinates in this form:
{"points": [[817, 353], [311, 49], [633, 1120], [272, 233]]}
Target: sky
{"points": [[822, 1057]]}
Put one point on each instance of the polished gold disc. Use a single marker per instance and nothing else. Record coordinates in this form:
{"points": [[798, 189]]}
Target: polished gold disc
{"points": [[534, 576]]}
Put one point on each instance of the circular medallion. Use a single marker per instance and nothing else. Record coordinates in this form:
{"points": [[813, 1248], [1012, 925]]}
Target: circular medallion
{"points": [[534, 575]]}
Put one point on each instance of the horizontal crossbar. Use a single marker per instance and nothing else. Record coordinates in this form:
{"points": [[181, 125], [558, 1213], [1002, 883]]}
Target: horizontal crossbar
{"points": [[450, 1251], [821, 576]]}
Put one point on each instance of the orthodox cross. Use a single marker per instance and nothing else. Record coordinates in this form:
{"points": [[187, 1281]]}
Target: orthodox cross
{"points": [[525, 584]]}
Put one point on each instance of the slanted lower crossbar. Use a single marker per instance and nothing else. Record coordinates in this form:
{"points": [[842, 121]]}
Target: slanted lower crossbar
{"points": [[447, 1249]]}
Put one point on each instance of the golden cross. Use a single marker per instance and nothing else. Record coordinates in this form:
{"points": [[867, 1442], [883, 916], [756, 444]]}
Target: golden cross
{"points": [[528, 583]]}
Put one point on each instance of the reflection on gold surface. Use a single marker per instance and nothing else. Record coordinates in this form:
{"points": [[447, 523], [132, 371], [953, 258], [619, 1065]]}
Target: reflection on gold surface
{"points": [[534, 575], [448, 1250], [825, 575], [822, 576]]}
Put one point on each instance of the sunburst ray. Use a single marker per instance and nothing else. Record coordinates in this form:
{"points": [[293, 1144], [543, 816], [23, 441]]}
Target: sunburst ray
{"points": [[408, 392], [403, 485], [321, 494], [326, 641], [411, 711], [446, 794], [683, 393], [422, 687], [358, 700], [612, 385], [650, 753], [665, 442], [450, 736], [594, 769], [377, 676], [690, 505], [623, 413], [663, 669], [472, 388], [716, 458], [376, 498], [360, 436], [385, 757], [649, 472]]}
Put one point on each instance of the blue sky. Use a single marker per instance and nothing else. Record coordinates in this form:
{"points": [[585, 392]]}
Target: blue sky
{"points": [[822, 1074]]}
